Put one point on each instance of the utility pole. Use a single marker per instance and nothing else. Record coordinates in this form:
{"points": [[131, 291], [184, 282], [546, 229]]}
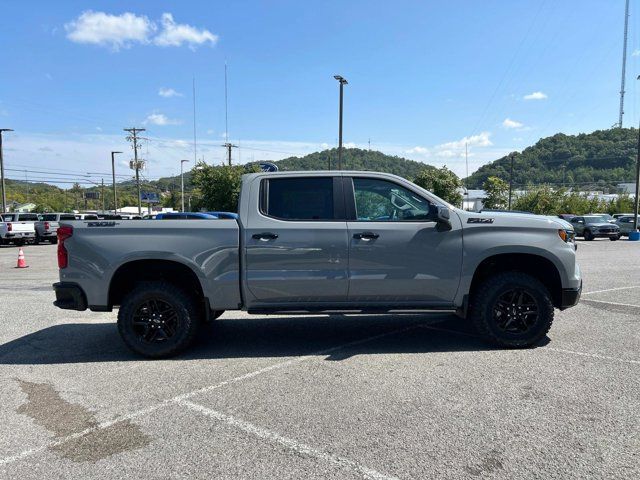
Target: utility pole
{"points": [[113, 174], [102, 194], [4, 191], [624, 62], [136, 164], [182, 182], [512, 155], [343, 82], [229, 146]]}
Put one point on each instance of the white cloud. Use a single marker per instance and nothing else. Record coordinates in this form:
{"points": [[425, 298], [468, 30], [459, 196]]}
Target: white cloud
{"points": [[508, 123], [168, 92], [160, 119], [122, 31], [350, 145], [175, 34], [536, 96], [636, 53], [114, 31], [418, 149], [479, 140]]}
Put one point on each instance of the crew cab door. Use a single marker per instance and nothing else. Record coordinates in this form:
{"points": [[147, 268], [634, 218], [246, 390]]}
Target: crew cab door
{"points": [[398, 255], [295, 240]]}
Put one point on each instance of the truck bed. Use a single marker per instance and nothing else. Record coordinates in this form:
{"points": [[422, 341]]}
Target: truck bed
{"points": [[98, 248]]}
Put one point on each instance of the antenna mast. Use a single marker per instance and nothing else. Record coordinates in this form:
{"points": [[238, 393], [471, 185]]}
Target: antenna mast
{"points": [[195, 145], [624, 62]]}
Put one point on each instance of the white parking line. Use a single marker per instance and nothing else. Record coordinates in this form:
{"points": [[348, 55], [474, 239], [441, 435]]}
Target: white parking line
{"points": [[611, 303], [561, 350], [593, 355], [289, 443], [183, 397], [611, 289]]}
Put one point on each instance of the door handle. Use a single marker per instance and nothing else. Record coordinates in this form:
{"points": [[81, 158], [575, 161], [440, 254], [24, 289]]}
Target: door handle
{"points": [[365, 236], [264, 236]]}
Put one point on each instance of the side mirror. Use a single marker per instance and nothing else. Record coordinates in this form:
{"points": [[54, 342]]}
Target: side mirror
{"points": [[440, 214]]}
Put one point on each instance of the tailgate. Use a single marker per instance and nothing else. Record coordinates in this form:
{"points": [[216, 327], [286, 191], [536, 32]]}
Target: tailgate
{"points": [[22, 227]]}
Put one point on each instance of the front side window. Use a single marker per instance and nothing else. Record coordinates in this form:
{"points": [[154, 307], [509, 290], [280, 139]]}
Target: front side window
{"points": [[308, 198], [383, 201]]}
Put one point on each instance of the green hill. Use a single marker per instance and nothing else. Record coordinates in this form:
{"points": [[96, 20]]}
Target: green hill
{"points": [[354, 159], [597, 160]]}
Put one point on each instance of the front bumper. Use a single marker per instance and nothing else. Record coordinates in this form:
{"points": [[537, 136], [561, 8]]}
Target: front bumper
{"points": [[570, 297], [69, 296]]}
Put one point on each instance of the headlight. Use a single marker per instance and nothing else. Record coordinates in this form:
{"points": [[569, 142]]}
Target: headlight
{"points": [[567, 235]]}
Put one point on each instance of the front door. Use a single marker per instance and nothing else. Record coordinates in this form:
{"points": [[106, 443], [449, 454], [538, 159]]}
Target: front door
{"points": [[398, 255], [297, 245]]}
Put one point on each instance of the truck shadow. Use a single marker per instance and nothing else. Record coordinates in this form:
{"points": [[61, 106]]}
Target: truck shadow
{"points": [[261, 336]]}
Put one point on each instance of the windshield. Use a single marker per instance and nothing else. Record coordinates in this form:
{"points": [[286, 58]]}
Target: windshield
{"points": [[594, 219]]}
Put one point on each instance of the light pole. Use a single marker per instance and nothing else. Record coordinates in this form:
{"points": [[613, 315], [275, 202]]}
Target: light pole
{"points": [[113, 174], [343, 82], [4, 191], [182, 182], [637, 200]]}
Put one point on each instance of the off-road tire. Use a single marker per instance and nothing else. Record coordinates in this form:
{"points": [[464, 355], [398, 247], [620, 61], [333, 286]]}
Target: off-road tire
{"points": [[483, 302], [186, 307]]}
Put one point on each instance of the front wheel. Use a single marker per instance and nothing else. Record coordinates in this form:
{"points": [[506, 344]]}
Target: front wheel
{"points": [[588, 235], [613, 239], [512, 309], [158, 320]]}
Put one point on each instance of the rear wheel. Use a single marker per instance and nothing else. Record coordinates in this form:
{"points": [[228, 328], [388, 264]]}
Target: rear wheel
{"points": [[588, 235], [158, 320], [37, 240], [512, 309]]}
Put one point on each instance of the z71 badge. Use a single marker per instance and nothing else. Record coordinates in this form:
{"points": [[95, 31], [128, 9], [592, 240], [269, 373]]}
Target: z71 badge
{"points": [[480, 220], [101, 224]]}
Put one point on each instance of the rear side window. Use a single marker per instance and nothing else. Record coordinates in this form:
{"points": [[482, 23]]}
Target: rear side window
{"points": [[309, 198]]}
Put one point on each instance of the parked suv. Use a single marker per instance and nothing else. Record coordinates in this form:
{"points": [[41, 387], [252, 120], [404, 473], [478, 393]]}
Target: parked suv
{"points": [[595, 226]]}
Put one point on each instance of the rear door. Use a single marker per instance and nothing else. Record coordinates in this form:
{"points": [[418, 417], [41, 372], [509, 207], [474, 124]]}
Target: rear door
{"points": [[296, 243], [398, 255]]}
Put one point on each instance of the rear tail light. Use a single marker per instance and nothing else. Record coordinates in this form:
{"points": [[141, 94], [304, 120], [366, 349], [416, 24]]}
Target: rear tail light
{"points": [[9, 227], [46, 225], [63, 256]]}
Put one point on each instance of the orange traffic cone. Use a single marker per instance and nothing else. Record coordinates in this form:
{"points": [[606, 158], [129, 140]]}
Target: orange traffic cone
{"points": [[22, 263]]}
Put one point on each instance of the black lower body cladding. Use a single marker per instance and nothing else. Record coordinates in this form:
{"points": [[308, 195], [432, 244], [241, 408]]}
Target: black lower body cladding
{"points": [[69, 296]]}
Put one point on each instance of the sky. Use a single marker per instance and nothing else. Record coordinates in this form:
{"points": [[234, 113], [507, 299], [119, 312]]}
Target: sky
{"points": [[425, 78]]}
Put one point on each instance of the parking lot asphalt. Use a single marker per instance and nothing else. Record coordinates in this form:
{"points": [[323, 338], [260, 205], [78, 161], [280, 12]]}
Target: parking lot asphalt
{"points": [[366, 396]]}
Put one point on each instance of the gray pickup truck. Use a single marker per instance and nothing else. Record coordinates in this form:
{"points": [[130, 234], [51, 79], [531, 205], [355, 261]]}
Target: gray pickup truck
{"points": [[348, 242]]}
